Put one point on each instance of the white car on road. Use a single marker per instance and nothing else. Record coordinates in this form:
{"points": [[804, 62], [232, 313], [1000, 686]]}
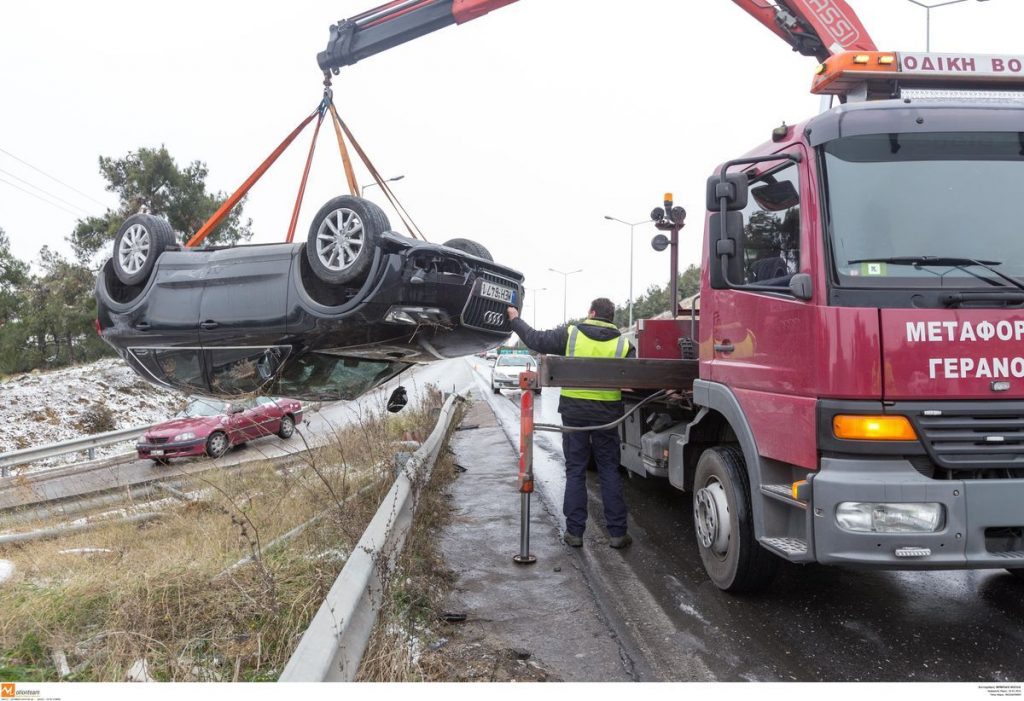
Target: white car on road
{"points": [[506, 369]]}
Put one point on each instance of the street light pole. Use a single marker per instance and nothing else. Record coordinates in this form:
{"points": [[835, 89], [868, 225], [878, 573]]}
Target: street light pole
{"points": [[631, 247], [928, 17], [363, 188], [565, 288], [535, 290]]}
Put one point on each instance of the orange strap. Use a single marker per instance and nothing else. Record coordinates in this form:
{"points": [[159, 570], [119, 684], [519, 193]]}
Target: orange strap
{"points": [[350, 174], [229, 204], [305, 177]]}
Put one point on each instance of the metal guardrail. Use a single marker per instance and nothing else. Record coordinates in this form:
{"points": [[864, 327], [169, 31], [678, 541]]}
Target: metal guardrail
{"points": [[27, 455], [332, 647]]}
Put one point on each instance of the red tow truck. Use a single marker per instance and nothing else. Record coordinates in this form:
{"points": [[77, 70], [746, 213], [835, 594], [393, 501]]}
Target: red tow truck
{"points": [[853, 392]]}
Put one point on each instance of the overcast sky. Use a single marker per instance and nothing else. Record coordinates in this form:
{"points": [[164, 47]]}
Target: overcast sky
{"points": [[520, 130]]}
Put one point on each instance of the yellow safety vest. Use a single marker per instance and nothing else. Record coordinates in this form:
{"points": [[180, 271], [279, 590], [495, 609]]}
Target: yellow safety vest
{"points": [[579, 345]]}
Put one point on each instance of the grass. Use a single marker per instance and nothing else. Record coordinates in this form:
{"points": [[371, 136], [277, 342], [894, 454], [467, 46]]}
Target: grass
{"points": [[160, 592]]}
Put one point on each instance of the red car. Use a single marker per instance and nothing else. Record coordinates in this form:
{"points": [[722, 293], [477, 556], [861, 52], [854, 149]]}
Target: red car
{"points": [[211, 427]]}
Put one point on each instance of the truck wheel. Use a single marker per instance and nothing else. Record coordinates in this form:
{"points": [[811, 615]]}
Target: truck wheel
{"points": [[342, 239], [732, 557], [139, 242], [471, 247]]}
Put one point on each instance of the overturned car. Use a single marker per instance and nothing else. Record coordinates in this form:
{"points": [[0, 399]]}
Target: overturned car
{"points": [[328, 319]]}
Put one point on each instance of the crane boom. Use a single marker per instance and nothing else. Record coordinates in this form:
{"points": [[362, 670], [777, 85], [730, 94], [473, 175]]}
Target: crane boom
{"points": [[819, 28]]}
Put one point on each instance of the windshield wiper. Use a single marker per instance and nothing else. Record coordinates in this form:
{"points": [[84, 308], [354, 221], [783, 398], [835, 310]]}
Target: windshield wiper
{"points": [[945, 261]]}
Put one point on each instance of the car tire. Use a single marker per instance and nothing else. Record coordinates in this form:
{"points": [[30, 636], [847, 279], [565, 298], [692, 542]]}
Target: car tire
{"points": [[342, 240], [497, 390], [724, 523], [287, 429], [217, 444], [161, 462], [537, 391], [138, 243], [383, 223], [471, 247]]}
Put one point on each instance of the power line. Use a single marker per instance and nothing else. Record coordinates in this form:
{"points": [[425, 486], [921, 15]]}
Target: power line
{"points": [[42, 199], [45, 192], [57, 180]]}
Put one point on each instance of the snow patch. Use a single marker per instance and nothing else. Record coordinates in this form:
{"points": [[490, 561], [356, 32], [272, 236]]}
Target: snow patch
{"points": [[6, 570]]}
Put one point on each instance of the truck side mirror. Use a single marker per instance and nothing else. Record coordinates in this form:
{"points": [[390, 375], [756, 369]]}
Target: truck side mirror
{"points": [[726, 246], [800, 286], [733, 187]]}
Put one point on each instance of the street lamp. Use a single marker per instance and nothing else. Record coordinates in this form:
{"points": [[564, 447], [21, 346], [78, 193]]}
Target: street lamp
{"points": [[630, 225], [535, 290], [389, 180], [928, 17], [565, 288]]}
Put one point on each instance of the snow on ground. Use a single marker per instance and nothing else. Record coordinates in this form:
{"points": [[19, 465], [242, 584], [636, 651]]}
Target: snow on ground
{"points": [[39, 408]]}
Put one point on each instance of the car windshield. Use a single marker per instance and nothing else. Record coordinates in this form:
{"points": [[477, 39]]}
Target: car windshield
{"points": [[922, 210], [326, 377], [515, 360], [204, 407]]}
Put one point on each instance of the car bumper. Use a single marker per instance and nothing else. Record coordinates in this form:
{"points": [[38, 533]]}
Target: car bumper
{"points": [[971, 508], [503, 382], [181, 449]]}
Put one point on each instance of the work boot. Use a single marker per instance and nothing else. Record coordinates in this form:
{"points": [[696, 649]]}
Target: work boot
{"points": [[573, 540], [620, 541]]}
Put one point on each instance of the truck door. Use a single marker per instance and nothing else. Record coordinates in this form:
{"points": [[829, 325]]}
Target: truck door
{"points": [[763, 343]]}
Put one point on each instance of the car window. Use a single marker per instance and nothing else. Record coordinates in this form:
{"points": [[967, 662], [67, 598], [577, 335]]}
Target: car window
{"points": [[179, 367], [333, 377], [244, 370], [515, 360], [205, 407]]}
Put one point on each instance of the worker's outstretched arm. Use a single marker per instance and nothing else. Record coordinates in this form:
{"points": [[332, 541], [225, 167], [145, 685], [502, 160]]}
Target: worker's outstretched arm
{"points": [[550, 342]]}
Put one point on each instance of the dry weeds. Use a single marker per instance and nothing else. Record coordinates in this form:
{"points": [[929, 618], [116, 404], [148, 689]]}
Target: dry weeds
{"points": [[165, 592]]}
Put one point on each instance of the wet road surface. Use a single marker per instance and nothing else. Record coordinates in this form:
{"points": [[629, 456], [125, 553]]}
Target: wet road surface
{"points": [[816, 623]]}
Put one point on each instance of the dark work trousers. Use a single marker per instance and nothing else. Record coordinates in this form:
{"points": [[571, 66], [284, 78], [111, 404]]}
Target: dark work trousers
{"points": [[578, 447]]}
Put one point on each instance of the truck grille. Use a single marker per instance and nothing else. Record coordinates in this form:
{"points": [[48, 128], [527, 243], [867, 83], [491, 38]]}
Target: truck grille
{"points": [[482, 313], [979, 437]]}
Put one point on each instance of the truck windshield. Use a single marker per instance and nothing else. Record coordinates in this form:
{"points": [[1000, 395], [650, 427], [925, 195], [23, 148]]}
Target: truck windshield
{"points": [[939, 201]]}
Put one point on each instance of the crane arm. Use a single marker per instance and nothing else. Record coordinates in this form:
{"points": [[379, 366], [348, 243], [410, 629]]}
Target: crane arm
{"points": [[395, 23], [819, 28]]}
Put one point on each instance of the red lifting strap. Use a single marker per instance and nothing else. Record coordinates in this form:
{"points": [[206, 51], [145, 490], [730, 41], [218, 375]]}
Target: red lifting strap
{"points": [[229, 204], [305, 177]]}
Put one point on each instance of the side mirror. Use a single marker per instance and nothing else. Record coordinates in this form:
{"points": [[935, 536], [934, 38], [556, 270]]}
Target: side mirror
{"points": [[399, 398], [730, 249], [800, 286], [734, 190]]}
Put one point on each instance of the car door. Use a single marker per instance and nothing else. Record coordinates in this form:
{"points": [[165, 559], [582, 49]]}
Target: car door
{"points": [[245, 296], [269, 415]]}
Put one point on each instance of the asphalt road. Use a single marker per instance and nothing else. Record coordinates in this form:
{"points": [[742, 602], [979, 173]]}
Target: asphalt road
{"points": [[815, 624]]}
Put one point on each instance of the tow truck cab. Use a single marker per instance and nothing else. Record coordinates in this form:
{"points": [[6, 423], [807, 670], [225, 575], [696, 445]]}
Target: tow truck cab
{"points": [[861, 336]]}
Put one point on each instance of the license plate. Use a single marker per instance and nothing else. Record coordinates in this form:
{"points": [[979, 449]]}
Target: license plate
{"points": [[502, 294], [156, 452]]}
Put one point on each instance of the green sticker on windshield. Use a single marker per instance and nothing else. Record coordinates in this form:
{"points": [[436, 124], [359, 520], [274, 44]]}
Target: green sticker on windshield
{"points": [[874, 269]]}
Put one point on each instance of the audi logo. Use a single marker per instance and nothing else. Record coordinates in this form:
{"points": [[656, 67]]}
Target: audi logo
{"points": [[493, 318]]}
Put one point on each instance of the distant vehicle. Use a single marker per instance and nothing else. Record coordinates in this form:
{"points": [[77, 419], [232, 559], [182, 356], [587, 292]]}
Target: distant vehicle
{"points": [[328, 319], [506, 369], [211, 427], [492, 354]]}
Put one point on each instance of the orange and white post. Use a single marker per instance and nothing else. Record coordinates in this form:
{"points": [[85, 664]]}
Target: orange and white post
{"points": [[527, 381]]}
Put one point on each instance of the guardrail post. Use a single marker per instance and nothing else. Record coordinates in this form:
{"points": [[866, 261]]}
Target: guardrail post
{"points": [[527, 381], [91, 452]]}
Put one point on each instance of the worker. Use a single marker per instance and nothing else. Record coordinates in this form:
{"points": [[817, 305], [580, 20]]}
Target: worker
{"points": [[595, 337]]}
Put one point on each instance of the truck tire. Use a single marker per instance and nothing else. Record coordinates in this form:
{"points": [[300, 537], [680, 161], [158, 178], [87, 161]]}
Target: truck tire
{"points": [[471, 247], [724, 524], [342, 240], [138, 243]]}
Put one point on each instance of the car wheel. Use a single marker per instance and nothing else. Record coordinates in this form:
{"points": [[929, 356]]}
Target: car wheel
{"points": [[537, 391], [342, 240], [383, 223], [217, 444], [287, 427], [159, 461], [139, 242], [732, 557], [497, 390], [471, 247]]}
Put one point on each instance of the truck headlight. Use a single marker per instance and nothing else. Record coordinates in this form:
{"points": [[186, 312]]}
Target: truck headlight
{"points": [[187, 436], [865, 517]]}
